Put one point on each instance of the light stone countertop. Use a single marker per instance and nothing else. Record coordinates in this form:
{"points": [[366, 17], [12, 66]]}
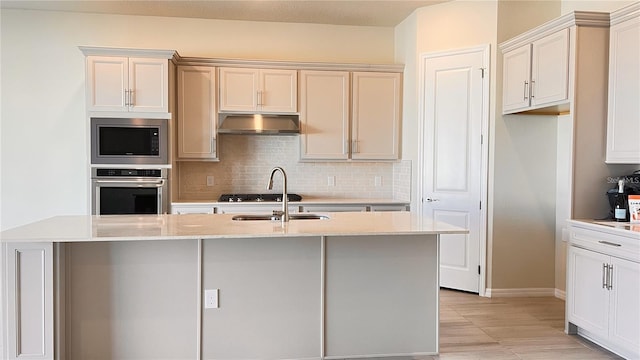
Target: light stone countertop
{"points": [[304, 201], [203, 226], [610, 226]]}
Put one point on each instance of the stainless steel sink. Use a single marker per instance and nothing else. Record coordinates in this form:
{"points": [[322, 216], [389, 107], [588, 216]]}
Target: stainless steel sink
{"points": [[251, 217]]}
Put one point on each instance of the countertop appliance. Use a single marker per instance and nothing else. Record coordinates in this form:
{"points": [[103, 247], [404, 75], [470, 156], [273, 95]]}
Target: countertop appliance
{"points": [[125, 191], [257, 197], [631, 187], [129, 141]]}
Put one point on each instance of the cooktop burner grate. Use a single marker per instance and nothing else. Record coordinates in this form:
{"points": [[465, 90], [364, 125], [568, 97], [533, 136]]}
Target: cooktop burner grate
{"points": [[257, 197]]}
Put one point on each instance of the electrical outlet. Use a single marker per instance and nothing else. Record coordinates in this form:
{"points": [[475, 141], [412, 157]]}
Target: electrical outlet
{"points": [[331, 181], [210, 180], [378, 181], [211, 299]]}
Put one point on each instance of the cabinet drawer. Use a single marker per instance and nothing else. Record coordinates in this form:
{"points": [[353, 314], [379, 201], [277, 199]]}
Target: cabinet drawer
{"points": [[619, 246]]}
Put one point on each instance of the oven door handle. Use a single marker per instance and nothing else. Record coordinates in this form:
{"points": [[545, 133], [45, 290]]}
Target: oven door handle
{"points": [[159, 183]]}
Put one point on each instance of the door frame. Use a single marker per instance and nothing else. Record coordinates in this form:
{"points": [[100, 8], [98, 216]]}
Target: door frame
{"points": [[485, 50]]}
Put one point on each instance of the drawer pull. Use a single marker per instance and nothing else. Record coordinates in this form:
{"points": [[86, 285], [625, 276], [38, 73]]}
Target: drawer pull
{"points": [[608, 243]]}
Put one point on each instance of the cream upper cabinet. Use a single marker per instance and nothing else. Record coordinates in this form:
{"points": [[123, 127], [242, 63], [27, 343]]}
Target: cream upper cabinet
{"points": [[623, 120], [262, 90], [375, 122], [324, 114], [536, 75], [127, 84], [196, 118]]}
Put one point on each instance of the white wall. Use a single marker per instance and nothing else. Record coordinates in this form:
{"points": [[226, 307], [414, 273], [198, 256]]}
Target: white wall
{"points": [[43, 123]]}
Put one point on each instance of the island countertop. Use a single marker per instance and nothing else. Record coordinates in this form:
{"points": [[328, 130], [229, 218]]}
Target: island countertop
{"points": [[78, 228]]}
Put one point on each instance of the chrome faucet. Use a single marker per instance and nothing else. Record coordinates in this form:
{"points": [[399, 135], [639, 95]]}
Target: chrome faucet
{"points": [[284, 214]]}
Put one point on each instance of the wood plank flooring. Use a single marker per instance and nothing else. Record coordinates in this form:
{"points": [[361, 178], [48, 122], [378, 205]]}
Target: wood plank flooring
{"points": [[474, 327]]}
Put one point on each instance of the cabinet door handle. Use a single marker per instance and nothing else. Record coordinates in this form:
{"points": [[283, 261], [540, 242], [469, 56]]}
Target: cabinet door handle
{"points": [[126, 97], [605, 275], [130, 97], [533, 83], [354, 147], [526, 87], [608, 243], [610, 279]]}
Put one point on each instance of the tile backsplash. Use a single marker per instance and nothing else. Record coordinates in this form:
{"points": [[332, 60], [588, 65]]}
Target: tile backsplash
{"points": [[246, 161]]}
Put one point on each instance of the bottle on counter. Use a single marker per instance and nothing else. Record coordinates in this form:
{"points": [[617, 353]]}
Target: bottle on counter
{"points": [[621, 207]]}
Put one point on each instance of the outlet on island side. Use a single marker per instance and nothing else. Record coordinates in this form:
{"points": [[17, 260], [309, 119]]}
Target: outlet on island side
{"points": [[211, 299], [210, 181]]}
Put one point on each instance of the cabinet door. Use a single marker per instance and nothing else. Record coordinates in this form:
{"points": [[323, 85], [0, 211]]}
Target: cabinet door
{"points": [[375, 132], [181, 210], [588, 299], [107, 79], [278, 91], [624, 314], [324, 115], [148, 85], [197, 122], [550, 69], [239, 89], [623, 127], [515, 82]]}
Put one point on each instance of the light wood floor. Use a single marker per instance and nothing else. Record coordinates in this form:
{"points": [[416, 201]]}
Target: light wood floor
{"points": [[473, 327]]}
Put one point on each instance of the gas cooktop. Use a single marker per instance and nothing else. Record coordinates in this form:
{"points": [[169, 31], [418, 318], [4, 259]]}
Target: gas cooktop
{"points": [[257, 197]]}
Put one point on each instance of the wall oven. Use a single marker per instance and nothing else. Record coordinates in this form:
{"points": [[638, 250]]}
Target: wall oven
{"points": [[125, 191], [129, 141]]}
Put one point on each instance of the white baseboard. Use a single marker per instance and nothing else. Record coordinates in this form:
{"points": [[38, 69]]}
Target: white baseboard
{"points": [[523, 292], [561, 294]]}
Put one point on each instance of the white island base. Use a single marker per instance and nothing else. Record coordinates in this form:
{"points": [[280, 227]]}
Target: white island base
{"points": [[283, 293]]}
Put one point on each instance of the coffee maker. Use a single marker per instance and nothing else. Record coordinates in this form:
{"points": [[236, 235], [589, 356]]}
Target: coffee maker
{"points": [[631, 187]]}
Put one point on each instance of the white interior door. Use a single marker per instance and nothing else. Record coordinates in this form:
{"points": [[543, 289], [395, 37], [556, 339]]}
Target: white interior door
{"points": [[454, 110]]}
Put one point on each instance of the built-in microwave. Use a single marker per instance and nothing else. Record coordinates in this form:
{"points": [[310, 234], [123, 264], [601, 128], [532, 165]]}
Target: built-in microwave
{"points": [[129, 141]]}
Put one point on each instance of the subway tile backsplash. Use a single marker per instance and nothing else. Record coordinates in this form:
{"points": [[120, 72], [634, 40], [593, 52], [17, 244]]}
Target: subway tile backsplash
{"points": [[246, 161]]}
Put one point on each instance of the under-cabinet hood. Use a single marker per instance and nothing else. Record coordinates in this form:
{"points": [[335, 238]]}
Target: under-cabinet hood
{"points": [[258, 124]]}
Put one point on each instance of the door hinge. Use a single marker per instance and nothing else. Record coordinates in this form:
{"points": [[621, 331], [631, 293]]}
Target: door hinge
{"points": [[478, 269], [482, 69], [480, 205]]}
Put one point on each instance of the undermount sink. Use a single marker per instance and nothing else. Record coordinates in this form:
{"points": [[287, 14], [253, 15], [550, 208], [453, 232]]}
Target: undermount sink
{"points": [[249, 217]]}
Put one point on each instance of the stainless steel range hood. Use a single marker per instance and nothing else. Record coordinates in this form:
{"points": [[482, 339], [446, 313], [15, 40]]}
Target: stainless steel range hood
{"points": [[258, 124]]}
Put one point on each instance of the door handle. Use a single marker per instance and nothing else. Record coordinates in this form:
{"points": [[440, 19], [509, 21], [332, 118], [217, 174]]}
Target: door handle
{"points": [[431, 200]]}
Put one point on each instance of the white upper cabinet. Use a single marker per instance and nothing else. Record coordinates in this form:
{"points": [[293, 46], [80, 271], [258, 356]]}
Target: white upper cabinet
{"points": [[324, 114], [375, 123], [197, 120], [127, 84], [340, 121], [623, 120], [536, 75], [261, 90]]}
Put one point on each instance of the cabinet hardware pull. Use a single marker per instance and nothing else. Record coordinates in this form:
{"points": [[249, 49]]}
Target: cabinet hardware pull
{"points": [[610, 279], [533, 83], [605, 274], [608, 243], [526, 86], [130, 97], [126, 97]]}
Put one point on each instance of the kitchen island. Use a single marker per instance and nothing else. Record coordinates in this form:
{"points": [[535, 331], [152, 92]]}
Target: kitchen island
{"points": [[209, 287]]}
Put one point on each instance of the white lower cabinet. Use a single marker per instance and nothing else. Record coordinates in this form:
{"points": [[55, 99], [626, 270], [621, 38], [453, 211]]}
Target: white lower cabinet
{"points": [[603, 293]]}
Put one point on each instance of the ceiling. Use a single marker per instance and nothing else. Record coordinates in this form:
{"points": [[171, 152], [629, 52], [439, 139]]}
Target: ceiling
{"points": [[386, 13]]}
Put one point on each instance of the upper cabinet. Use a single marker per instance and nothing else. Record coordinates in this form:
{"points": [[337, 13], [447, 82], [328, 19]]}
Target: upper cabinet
{"points": [[127, 84], [340, 121], [536, 75], [324, 115], [258, 90], [197, 120], [623, 120], [375, 122]]}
